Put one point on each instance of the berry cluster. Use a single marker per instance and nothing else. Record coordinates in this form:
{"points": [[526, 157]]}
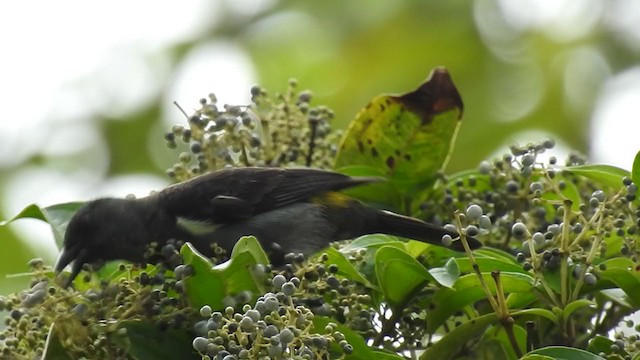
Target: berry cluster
{"points": [[327, 293], [561, 224], [88, 319], [271, 329], [322, 287], [85, 319], [279, 131]]}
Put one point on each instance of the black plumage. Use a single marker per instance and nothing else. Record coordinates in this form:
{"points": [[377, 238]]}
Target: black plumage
{"points": [[288, 210]]}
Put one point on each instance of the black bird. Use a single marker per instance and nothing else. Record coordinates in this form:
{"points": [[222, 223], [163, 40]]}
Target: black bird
{"points": [[288, 210]]}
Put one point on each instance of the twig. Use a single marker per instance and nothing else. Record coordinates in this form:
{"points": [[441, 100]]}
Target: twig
{"points": [[181, 109], [313, 123], [503, 314]]}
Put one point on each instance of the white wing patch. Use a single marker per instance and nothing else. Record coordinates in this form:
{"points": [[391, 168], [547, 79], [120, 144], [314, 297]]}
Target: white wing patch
{"points": [[196, 227]]}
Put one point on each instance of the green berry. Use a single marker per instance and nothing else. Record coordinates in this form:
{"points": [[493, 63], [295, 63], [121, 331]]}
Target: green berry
{"points": [[278, 281], [205, 311], [200, 344], [256, 90], [590, 279], [471, 230], [528, 159], [253, 314], [274, 351], [519, 230], [288, 288], [512, 187], [549, 143], [246, 324], [196, 147], [447, 240], [485, 167], [538, 239], [536, 186], [474, 212], [305, 96], [484, 222], [286, 336], [270, 330]]}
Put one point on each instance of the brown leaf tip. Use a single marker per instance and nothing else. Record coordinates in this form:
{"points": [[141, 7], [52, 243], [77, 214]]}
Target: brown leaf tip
{"points": [[438, 94]]}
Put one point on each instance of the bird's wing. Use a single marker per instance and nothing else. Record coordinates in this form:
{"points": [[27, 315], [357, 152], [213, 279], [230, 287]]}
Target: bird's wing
{"points": [[239, 193]]}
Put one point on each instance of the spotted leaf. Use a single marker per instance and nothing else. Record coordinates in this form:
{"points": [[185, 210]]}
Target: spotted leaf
{"points": [[408, 137]]}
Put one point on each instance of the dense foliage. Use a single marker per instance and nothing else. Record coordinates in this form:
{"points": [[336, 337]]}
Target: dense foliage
{"points": [[557, 276]]}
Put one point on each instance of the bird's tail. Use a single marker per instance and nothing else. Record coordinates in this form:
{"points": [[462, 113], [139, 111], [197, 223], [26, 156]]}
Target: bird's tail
{"points": [[411, 228]]}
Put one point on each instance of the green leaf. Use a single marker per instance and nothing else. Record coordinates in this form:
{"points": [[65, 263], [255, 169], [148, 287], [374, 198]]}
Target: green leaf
{"points": [[482, 181], [407, 137], [450, 344], [607, 175], [345, 267], [488, 264], [497, 254], [57, 216], [250, 245], [363, 170], [448, 301], [416, 248], [635, 171], [618, 296], [380, 194], [53, 349], [552, 279], [536, 357], [564, 353], [602, 344], [361, 351], [620, 263], [145, 341], [620, 271], [613, 244], [466, 291], [511, 281], [370, 244], [575, 305], [550, 315], [383, 355], [521, 300], [433, 255], [490, 348], [371, 241], [205, 287], [447, 275], [500, 336], [210, 285], [399, 274], [412, 247], [112, 272]]}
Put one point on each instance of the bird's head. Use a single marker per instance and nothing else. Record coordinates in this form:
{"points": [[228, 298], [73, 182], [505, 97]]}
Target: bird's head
{"points": [[103, 229]]}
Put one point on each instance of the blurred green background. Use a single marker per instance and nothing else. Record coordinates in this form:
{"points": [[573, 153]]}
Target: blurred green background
{"points": [[525, 69]]}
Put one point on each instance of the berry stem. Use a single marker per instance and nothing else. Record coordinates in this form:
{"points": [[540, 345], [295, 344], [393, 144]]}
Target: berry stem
{"points": [[597, 217], [474, 264], [564, 253]]}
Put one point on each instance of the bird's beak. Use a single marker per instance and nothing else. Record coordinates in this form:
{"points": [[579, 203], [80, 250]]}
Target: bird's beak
{"points": [[65, 258], [74, 254]]}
